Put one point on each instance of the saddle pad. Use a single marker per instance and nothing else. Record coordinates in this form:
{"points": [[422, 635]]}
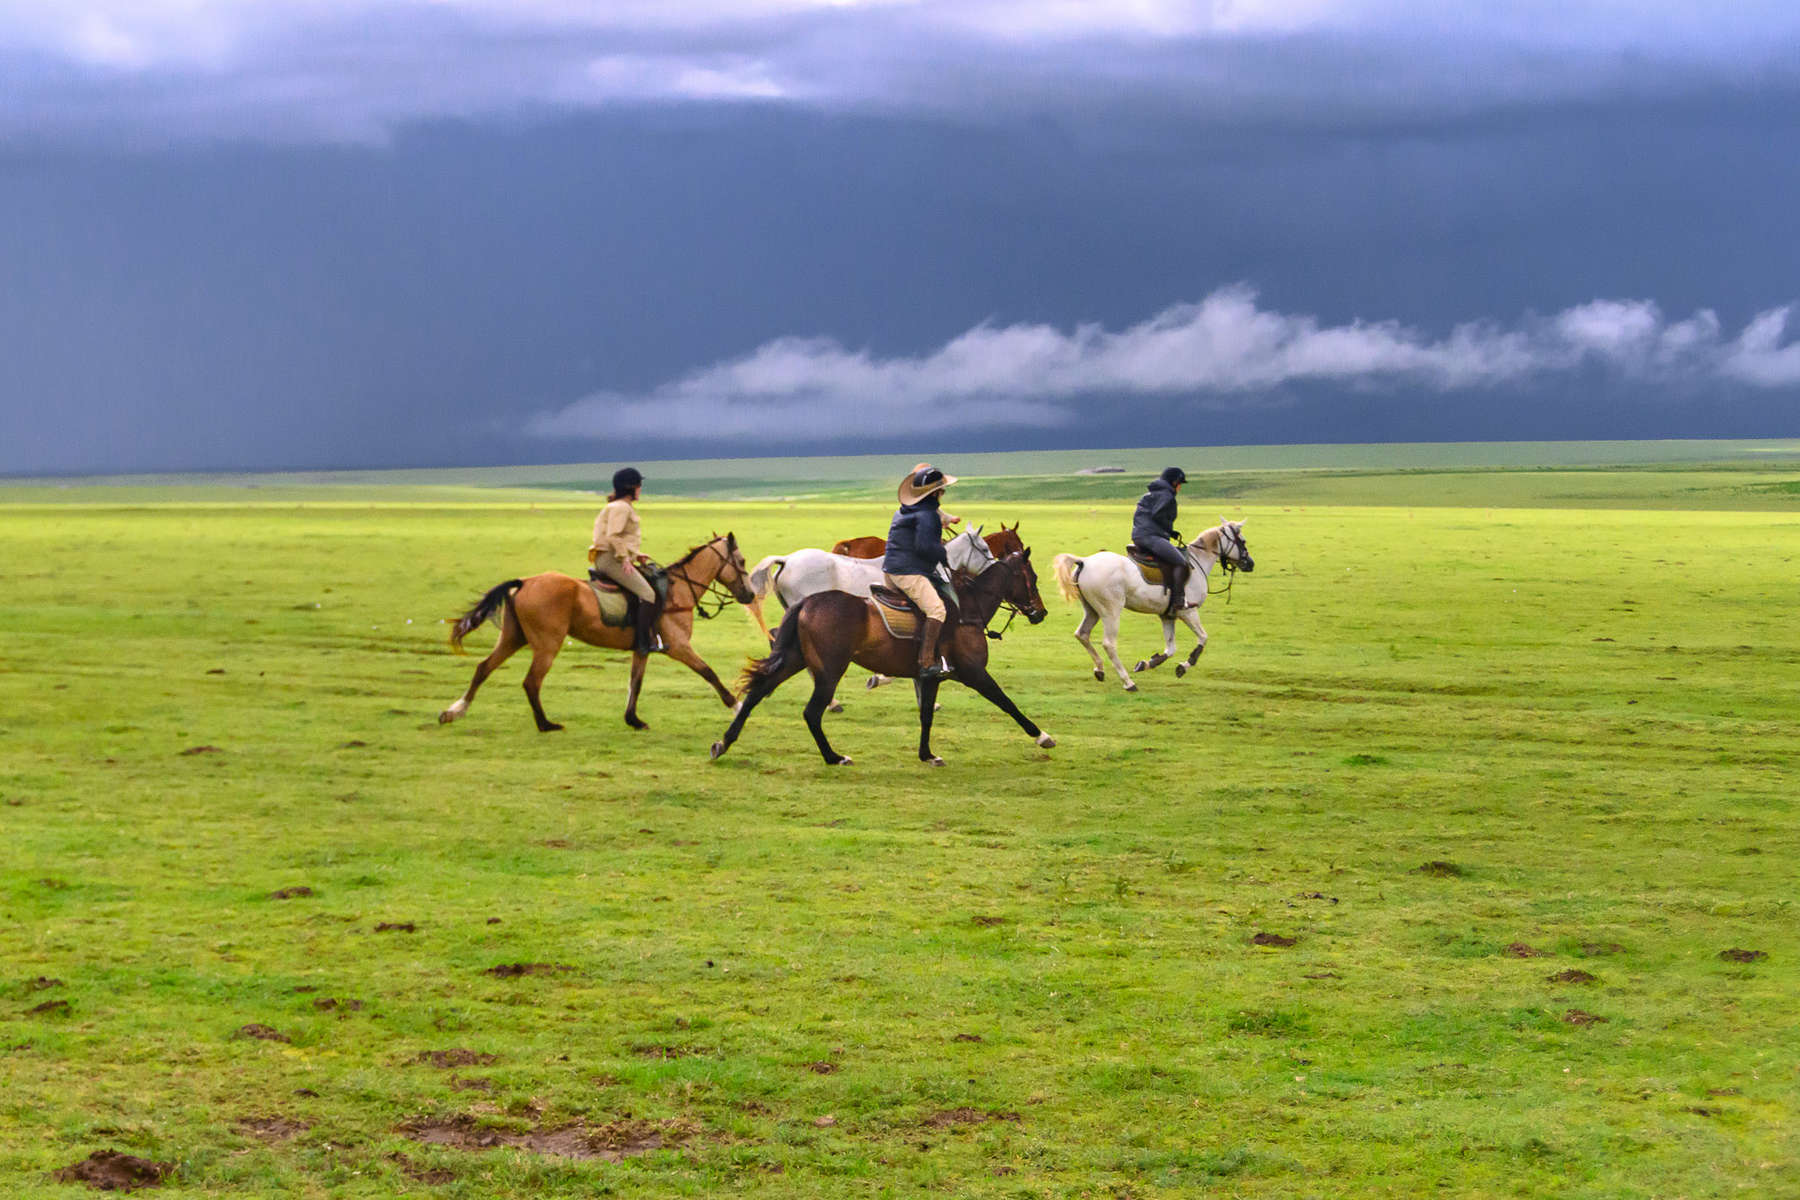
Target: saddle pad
{"points": [[902, 623], [615, 602], [1148, 565]]}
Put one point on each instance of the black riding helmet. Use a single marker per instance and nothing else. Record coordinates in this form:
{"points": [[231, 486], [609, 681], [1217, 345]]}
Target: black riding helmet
{"points": [[625, 479], [1173, 476]]}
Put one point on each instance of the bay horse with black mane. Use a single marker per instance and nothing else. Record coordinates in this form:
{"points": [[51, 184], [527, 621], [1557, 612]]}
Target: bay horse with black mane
{"points": [[545, 610], [827, 631]]}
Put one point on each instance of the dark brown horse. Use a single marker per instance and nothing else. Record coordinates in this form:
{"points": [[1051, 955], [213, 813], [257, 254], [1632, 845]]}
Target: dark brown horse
{"points": [[545, 610], [827, 631], [1001, 543]]}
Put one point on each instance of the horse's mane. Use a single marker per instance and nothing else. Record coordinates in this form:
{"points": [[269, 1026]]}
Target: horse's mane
{"points": [[689, 556]]}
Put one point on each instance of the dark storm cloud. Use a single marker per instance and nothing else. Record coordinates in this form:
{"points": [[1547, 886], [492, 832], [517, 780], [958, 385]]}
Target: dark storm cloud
{"points": [[154, 70], [291, 233]]}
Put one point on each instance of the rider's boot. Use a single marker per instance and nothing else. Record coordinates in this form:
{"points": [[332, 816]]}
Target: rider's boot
{"points": [[930, 665], [647, 614], [1176, 578]]}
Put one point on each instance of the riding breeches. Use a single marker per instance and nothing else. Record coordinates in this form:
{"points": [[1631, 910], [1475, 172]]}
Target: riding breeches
{"points": [[626, 575], [1164, 550], [919, 590]]}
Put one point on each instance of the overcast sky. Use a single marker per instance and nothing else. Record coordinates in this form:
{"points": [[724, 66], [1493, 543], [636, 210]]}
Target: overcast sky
{"points": [[261, 233]]}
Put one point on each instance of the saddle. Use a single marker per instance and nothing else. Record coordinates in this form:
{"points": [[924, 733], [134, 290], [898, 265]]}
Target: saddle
{"points": [[1148, 565], [900, 615], [618, 607]]}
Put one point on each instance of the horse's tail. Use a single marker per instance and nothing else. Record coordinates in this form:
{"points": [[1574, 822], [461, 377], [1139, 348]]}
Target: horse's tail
{"points": [[786, 645], [763, 574], [489, 606], [1068, 573]]}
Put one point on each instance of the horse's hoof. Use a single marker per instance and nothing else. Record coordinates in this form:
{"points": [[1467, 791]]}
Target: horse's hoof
{"points": [[843, 761], [1046, 741], [871, 683], [834, 706], [445, 717], [1180, 670], [718, 748], [552, 727], [1142, 665], [933, 761], [1131, 687], [633, 722], [1099, 675]]}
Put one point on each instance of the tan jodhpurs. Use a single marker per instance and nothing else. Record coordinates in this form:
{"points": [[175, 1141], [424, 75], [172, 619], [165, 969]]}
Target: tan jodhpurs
{"points": [[625, 575], [918, 589]]}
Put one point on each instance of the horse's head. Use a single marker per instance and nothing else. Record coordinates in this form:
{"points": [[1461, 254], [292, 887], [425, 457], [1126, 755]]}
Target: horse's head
{"points": [[734, 572], [968, 552], [1233, 550], [1022, 587], [1004, 542]]}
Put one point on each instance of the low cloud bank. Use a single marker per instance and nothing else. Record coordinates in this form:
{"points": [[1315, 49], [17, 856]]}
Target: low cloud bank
{"points": [[1226, 346]]}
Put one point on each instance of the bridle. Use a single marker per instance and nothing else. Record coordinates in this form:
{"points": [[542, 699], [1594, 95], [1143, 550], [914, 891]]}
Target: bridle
{"points": [[1228, 541], [1012, 607], [714, 591]]}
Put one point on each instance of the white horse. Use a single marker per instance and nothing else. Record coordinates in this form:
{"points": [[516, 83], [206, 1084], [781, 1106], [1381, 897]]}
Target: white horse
{"points": [[1108, 584], [793, 577]]}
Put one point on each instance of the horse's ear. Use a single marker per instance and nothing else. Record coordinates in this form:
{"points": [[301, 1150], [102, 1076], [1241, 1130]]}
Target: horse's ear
{"points": [[1243, 522]]}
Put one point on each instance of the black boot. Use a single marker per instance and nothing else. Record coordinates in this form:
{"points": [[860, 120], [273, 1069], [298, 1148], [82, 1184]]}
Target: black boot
{"points": [[1176, 578], [929, 666], [646, 618]]}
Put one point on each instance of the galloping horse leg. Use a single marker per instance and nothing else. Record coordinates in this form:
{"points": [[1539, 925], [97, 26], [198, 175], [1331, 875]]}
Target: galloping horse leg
{"points": [[541, 658], [684, 653], [1192, 617], [1088, 620], [1109, 641], [638, 663], [825, 681], [985, 686], [511, 640], [926, 690], [758, 691], [1168, 650]]}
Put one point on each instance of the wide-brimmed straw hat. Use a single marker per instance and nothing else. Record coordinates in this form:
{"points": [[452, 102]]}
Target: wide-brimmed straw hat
{"points": [[921, 481]]}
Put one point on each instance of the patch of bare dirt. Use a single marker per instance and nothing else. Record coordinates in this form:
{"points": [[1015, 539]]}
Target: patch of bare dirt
{"points": [[822, 1068], [291, 893], [1439, 869], [459, 1083], [1273, 939], [353, 744], [1317, 896], [557, 843], [458, 1057], [1700, 1110], [493, 920], [658, 1050], [612, 1142], [1572, 975], [988, 922], [515, 970], [1742, 956], [261, 1032], [51, 1008], [420, 1173], [1583, 1020], [1323, 975], [1601, 949], [1521, 950], [334, 1004], [272, 1129], [43, 983], [396, 927], [192, 750], [966, 1037], [945, 1118], [111, 1171]]}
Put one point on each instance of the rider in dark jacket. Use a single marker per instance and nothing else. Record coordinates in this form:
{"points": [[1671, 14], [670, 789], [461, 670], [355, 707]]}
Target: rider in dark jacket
{"points": [[915, 552], [1153, 530]]}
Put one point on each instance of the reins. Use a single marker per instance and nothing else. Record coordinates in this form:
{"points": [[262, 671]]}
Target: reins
{"points": [[722, 601]]}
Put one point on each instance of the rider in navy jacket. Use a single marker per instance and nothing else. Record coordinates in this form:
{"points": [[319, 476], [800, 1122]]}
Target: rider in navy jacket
{"points": [[1153, 530], [915, 544]]}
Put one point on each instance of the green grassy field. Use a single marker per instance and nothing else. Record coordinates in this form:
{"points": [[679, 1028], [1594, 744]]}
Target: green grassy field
{"points": [[1028, 974]]}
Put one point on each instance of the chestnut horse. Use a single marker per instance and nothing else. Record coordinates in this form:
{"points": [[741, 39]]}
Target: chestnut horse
{"points": [[827, 631], [1005, 541], [545, 610]]}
